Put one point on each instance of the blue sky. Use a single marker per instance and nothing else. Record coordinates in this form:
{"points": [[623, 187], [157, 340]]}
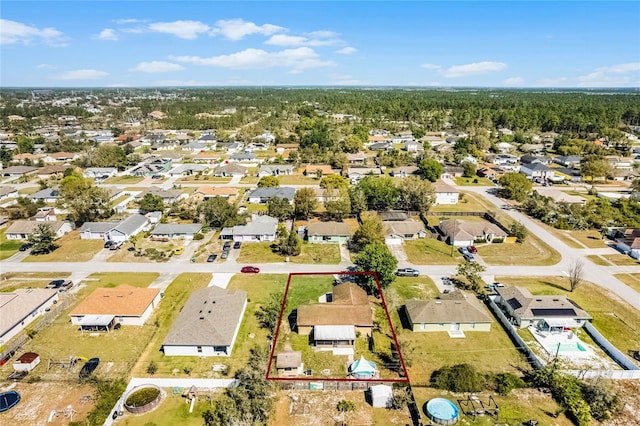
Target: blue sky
{"points": [[447, 44]]}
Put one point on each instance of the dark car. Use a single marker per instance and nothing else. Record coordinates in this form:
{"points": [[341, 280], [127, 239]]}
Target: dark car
{"points": [[56, 284], [250, 270], [227, 245], [237, 245], [472, 249], [89, 367], [407, 272], [25, 247], [108, 243], [156, 177], [212, 257]]}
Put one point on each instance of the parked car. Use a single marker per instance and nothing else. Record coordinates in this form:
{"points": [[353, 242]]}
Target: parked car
{"points": [[227, 245], [156, 177], [178, 251], [212, 257], [472, 249], [250, 270], [446, 281], [237, 245], [64, 284], [407, 272], [89, 367], [225, 254], [498, 285], [463, 250], [469, 257], [25, 247], [107, 244], [115, 245]]}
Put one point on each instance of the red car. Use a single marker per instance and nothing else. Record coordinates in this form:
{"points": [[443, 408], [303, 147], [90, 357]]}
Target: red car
{"points": [[250, 270], [472, 249]]}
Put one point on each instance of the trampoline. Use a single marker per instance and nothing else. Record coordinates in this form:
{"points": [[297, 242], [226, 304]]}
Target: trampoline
{"points": [[8, 400]]}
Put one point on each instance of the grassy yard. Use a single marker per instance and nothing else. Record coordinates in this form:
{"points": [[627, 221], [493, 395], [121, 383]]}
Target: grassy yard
{"points": [[618, 321], [13, 280], [249, 179], [29, 190], [632, 280], [172, 411], [71, 249], [620, 259], [517, 407], [124, 179], [405, 288], [533, 252], [297, 180], [598, 260], [119, 199], [204, 180], [474, 181], [117, 350], [8, 247], [429, 251], [311, 253], [467, 203], [124, 255]]}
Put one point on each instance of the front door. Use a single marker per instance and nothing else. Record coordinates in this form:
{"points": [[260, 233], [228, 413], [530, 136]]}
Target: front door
{"points": [[455, 326]]}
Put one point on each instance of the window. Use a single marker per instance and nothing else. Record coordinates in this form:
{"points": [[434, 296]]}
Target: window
{"points": [[473, 325], [199, 349]]}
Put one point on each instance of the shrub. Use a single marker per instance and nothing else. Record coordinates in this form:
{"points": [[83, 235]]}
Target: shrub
{"points": [[152, 368], [602, 400], [142, 397], [401, 399], [506, 382], [345, 406], [198, 236], [458, 378]]}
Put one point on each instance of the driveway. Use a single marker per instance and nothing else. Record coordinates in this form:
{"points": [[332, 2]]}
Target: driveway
{"points": [[398, 251]]}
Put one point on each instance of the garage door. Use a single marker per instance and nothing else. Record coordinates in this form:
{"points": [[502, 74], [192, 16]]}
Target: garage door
{"points": [[393, 241]]}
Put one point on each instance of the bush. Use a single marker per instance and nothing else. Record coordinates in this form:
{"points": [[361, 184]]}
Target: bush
{"points": [[108, 392], [603, 401], [198, 236], [458, 378], [152, 368], [142, 397], [401, 399], [506, 382], [345, 406]]}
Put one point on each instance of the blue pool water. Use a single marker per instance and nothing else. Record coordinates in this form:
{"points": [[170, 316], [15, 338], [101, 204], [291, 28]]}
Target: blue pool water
{"points": [[442, 410], [568, 347]]}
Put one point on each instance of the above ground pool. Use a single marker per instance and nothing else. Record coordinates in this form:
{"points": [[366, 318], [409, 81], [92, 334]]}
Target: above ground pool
{"points": [[442, 411], [8, 400]]}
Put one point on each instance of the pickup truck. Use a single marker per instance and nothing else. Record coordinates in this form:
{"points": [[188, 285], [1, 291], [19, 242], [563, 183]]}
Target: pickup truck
{"points": [[407, 272]]}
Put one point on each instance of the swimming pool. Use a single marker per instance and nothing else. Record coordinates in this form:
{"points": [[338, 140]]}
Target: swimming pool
{"points": [[442, 411], [568, 347]]}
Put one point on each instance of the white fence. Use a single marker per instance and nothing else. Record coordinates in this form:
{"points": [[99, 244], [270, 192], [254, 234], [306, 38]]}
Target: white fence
{"points": [[605, 374], [613, 352]]}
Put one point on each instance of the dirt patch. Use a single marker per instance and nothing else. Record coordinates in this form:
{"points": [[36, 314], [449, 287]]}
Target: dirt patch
{"points": [[630, 414], [38, 400]]}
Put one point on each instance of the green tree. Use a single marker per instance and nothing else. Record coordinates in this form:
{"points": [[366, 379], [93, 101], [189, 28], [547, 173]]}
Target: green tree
{"points": [[431, 169], [25, 145], [519, 231], [471, 271], [376, 257], [109, 155], [84, 201], [351, 144], [219, 213], [5, 155], [469, 169], [268, 314], [305, 202], [42, 239], [595, 167], [380, 192], [290, 245], [457, 378], [515, 186], [268, 182], [357, 200], [635, 185], [338, 203], [416, 194], [151, 203], [370, 231], [334, 181], [279, 208], [345, 406]]}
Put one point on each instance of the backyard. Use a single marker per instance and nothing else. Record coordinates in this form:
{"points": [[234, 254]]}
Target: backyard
{"points": [[311, 253], [71, 249], [618, 321], [126, 179], [8, 247], [473, 181], [173, 410], [429, 251]]}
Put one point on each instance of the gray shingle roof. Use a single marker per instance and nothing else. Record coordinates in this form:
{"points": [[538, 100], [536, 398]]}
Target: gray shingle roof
{"points": [[98, 227], [209, 318], [268, 193], [441, 311], [131, 224], [177, 229], [260, 225], [328, 228], [528, 306]]}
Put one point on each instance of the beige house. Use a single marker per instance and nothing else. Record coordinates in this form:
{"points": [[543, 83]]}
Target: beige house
{"points": [[207, 191], [395, 232], [461, 233], [453, 312]]}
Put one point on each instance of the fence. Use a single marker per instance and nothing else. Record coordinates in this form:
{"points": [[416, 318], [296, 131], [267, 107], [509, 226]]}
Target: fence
{"points": [[326, 385], [513, 334], [611, 350], [605, 374]]}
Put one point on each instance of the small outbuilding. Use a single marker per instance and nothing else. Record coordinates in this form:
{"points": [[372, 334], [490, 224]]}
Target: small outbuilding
{"points": [[289, 363], [27, 362], [380, 396]]}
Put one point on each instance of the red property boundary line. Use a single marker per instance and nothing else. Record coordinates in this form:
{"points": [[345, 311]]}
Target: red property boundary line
{"points": [[319, 379]]}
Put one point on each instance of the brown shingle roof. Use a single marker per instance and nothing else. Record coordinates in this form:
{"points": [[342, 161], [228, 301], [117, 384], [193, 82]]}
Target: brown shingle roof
{"points": [[123, 300], [289, 359], [350, 306], [216, 191], [328, 228], [349, 294]]}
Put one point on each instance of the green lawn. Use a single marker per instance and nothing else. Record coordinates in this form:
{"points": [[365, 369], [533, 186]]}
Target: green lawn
{"points": [[249, 179], [311, 253], [173, 410], [598, 260], [429, 251], [124, 179], [405, 288], [71, 249], [620, 259], [618, 321], [632, 280], [29, 190], [119, 199], [117, 350], [305, 289], [297, 180], [533, 252], [468, 203], [475, 181], [8, 247], [204, 180]]}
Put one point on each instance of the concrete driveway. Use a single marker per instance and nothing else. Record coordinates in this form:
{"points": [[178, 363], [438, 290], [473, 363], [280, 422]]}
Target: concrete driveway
{"points": [[398, 251]]}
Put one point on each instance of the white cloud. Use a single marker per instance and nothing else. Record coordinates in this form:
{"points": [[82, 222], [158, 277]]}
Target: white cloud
{"points": [[12, 32], [297, 59], [127, 21], [619, 75], [513, 81], [431, 66], [322, 34], [237, 29], [157, 66], [46, 66], [84, 74], [107, 34], [347, 50], [288, 40], [188, 30], [475, 68]]}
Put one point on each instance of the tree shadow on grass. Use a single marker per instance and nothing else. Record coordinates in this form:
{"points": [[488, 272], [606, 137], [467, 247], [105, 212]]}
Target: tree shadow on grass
{"points": [[555, 285]]}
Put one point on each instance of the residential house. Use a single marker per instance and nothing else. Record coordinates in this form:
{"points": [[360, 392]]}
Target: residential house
{"points": [[505, 147], [21, 229], [459, 313], [289, 363], [52, 171], [208, 324], [22, 307], [491, 173], [505, 159], [545, 312], [535, 148], [46, 214], [151, 167], [328, 232], [8, 192], [207, 191], [25, 157], [60, 157], [230, 170], [18, 171], [335, 323], [262, 195], [568, 160], [404, 171], [359, 158], [461, 233], [96, 230], [356, 173], [231, 147], [196, 147], [261, 228], [381, 146], [275, 170], [451, 172], [244, 158], [317, 170], [167, 195], [207, 157], [628, 241], [125, 229], [533, 159], [281, 148], [537, 171], [189, 169], [256, 146], [124, 304], [267, 137], [395, 232], [567, 174], [100, 172], [48, 195], [413, 146], [177, 230], [445, 193]]}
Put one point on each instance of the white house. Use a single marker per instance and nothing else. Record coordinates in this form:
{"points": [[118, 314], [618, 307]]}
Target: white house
{"points": [[261, 228], [100, 172], [445, 194], [177, 230], [128, 227], [537, 170], [21, 229], [21, 307], [8, 192], [208, 324]]}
